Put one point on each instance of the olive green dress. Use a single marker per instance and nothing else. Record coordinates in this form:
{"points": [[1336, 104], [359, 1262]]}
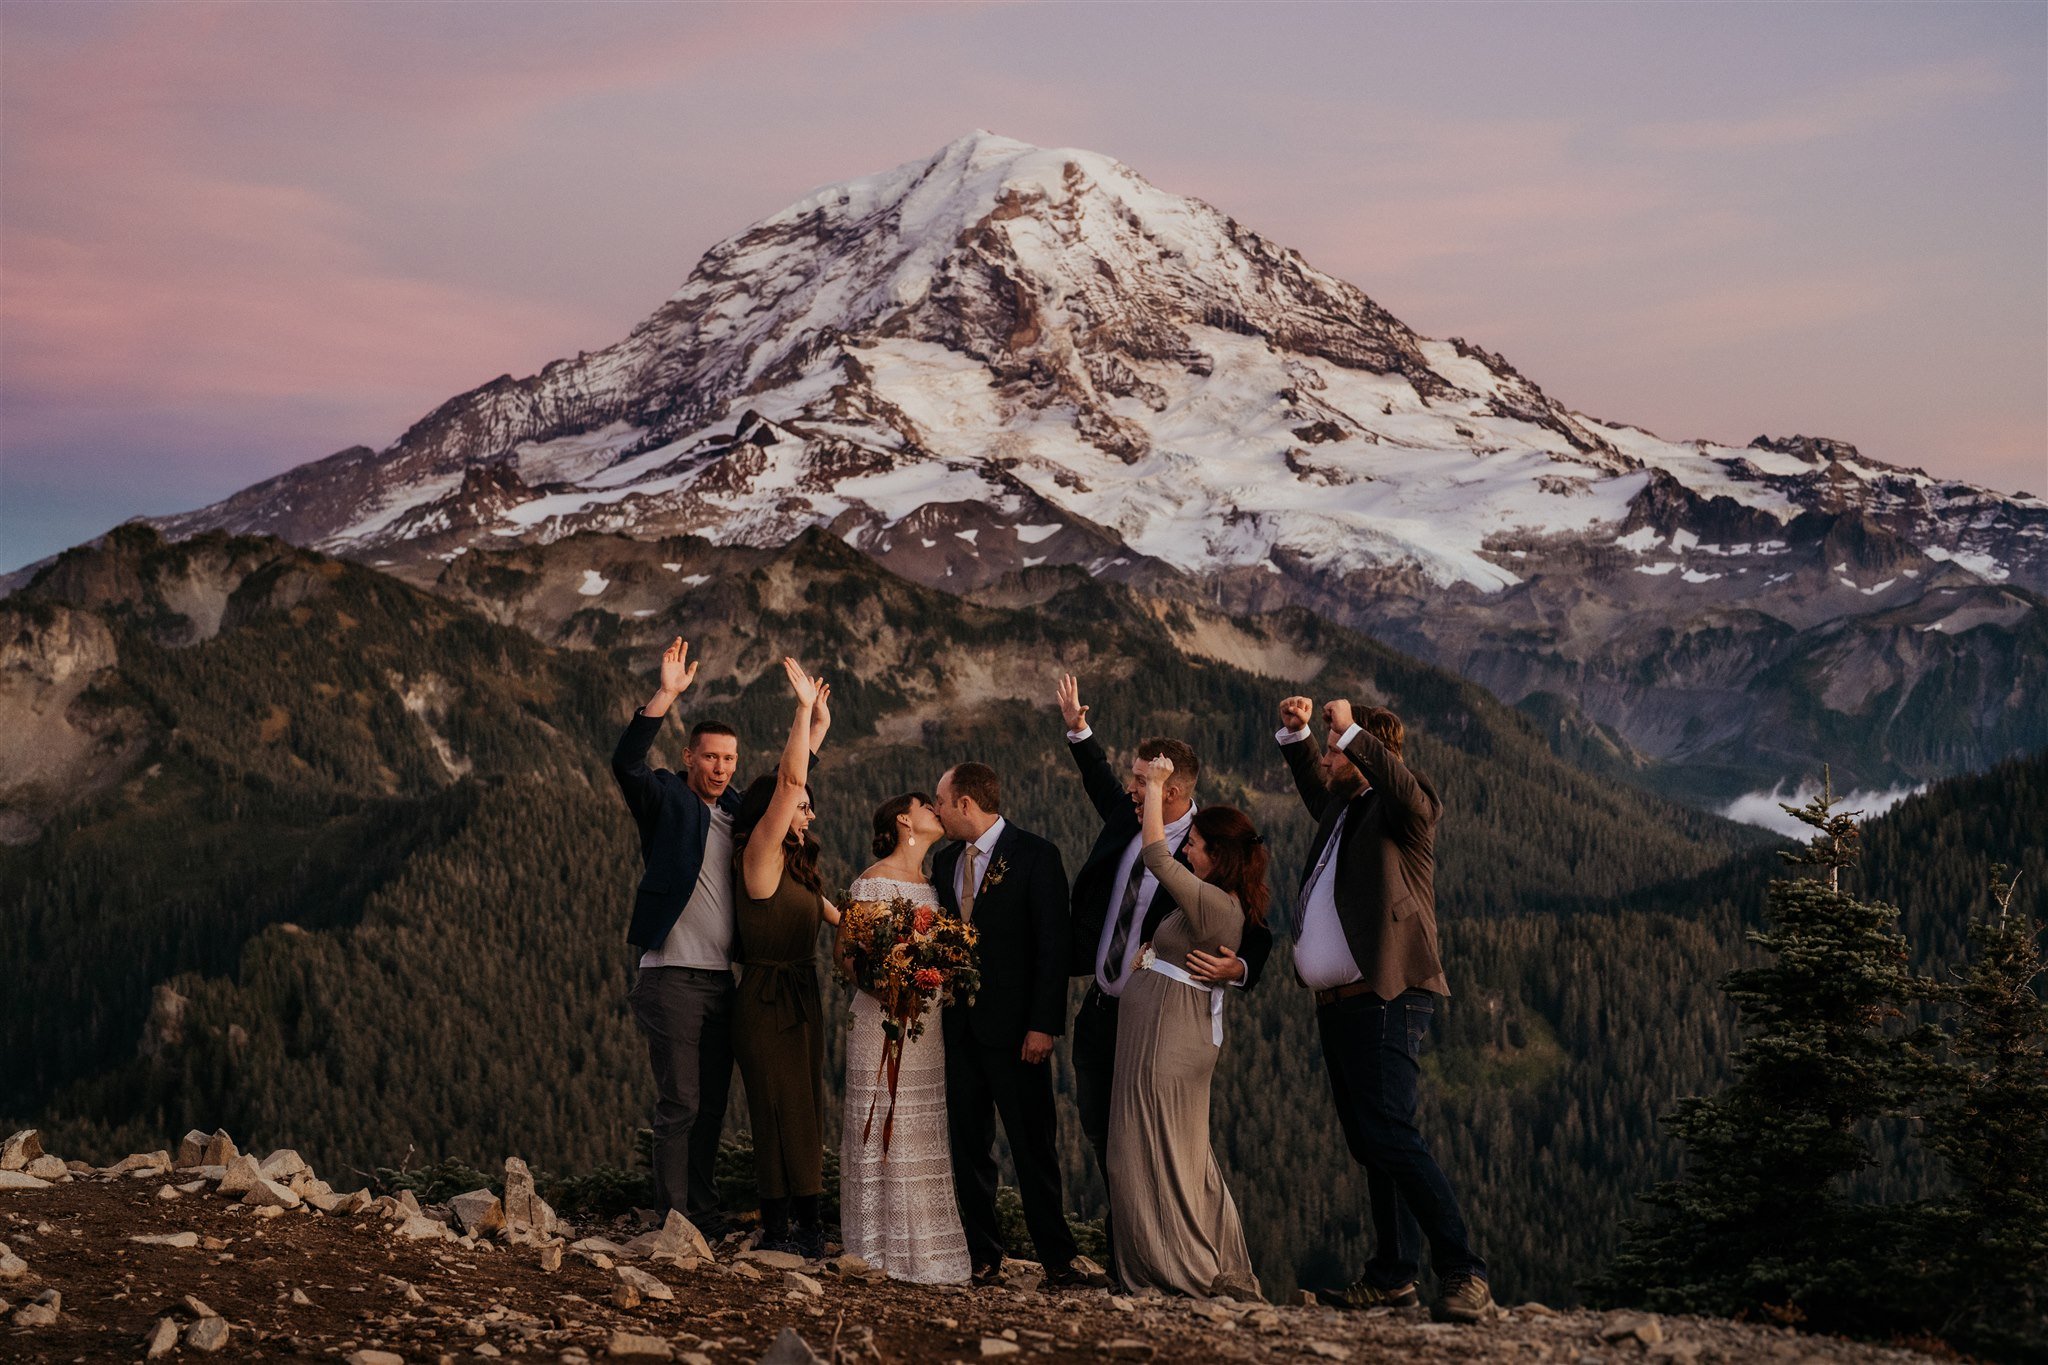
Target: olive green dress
{"points": [[778, 1035]]}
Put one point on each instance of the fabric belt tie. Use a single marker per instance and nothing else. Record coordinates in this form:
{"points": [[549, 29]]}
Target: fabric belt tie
{"points": [[1152, 963], [788, 989]]}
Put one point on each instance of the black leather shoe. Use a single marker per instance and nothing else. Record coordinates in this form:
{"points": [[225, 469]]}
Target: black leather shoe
{"points": [[992, 1273], [1079, 1273]]}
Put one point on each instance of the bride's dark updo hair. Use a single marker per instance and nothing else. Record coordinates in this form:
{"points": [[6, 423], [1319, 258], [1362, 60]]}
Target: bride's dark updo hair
{"points": [[886, 833]]}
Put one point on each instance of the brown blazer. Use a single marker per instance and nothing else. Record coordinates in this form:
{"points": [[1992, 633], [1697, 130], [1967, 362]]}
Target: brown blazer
{"points": [[1386, 864]]}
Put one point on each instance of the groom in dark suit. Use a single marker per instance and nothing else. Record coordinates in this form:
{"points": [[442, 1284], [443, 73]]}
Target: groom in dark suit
{"points": [[1118, 908], [1012, 887], [1367, 948]]}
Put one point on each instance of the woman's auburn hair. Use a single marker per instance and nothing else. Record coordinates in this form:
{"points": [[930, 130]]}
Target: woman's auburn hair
{"points": [[1238, 859], [800, 857]]}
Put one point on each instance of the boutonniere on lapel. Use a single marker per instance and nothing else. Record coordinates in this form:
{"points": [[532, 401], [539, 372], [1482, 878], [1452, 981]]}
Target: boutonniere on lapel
{"points": [[997, 870]]}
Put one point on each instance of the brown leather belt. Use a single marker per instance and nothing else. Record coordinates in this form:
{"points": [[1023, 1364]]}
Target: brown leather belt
{"points": [[1344, 992]]}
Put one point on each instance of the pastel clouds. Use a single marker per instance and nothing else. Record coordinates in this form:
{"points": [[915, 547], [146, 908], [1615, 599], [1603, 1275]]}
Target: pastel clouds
{"points": [[239, 236]]}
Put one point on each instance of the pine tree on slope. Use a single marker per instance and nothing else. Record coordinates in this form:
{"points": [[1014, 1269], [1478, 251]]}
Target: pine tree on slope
{"points": [[1759, 1222]]}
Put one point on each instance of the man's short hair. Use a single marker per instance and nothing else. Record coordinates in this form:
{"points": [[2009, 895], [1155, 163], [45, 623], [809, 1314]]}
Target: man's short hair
{"points": [[1384, 726], [977, 781], [1186, 767], [710, 727]]}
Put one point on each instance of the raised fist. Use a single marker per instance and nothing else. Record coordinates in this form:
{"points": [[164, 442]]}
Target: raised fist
{"points": [[1155, 772], [1296, 713], [1337, 714]]}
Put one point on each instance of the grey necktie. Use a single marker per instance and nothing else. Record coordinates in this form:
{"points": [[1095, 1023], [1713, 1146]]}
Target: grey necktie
{"points": [[1126, 912]]}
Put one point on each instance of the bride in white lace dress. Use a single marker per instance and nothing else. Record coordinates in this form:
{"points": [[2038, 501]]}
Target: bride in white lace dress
{"points": [[898, 1211]]}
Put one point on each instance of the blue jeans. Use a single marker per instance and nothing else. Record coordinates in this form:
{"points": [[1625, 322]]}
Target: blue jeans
{"points": [[1370, 1047]]}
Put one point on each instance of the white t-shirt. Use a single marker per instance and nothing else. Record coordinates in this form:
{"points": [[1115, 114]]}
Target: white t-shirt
{"points": [[702, 934]]}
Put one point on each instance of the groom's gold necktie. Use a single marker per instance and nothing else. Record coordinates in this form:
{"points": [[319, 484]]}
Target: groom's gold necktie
{"points": [[968, 884]]}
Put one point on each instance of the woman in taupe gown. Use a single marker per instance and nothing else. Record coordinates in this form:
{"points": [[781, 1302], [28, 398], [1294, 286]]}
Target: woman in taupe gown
{"points": [[1177, 1228], [777, 1021]]}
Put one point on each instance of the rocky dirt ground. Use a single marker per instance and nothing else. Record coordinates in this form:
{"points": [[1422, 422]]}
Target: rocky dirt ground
{"points": [[149, 1259]]}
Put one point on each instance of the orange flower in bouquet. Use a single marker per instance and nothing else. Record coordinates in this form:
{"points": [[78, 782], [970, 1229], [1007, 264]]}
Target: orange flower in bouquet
{"points": [[912, 959]]}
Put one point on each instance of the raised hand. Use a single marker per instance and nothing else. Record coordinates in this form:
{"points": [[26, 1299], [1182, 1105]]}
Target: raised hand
{"points": [[800, 682], [1154, 772], [1296, 712], [821, 714], [1337, 715], [677, 672], [1070, 702]]}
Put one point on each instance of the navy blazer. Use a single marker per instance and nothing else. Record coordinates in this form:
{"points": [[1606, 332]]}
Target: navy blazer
{"points": [[674, 825], [1021, 917], [1095, 883]]}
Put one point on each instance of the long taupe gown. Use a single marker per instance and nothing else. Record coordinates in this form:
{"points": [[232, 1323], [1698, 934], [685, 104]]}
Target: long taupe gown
{"points": [[1177, 1228], [778, 1035]]}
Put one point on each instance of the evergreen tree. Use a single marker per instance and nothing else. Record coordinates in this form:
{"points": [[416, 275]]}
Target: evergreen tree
{"points": [[1991, 1127], [1760, 1221]]}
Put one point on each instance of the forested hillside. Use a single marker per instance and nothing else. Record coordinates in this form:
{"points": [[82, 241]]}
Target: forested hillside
{"points": [[361, 889]]}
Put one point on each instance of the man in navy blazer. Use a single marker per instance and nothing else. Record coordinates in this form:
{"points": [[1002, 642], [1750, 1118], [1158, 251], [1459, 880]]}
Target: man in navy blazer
{"points": [[683, 924]]}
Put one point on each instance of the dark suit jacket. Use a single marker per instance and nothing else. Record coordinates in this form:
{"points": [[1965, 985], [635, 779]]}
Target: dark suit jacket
{"points": [[1095, 883], [1021, 916], [1386, 864], [674, 824]]}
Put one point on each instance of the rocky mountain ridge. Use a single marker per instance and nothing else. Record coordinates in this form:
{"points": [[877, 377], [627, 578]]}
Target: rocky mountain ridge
{"points": [[181, 1256]]}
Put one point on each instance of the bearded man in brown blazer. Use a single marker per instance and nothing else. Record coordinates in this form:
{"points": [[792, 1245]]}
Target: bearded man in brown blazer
{"points": [[1367, 947]]}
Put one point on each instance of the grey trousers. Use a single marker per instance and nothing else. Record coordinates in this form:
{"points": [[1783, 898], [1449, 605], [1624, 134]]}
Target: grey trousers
{"points": [[686, 1016]]}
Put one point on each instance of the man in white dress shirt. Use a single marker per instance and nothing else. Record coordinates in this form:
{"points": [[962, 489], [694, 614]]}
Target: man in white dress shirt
{"points": [[1367, 950]]}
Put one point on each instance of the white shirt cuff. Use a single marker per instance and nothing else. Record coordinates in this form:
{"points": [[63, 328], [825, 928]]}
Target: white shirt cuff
{"points": [[1076, 736], [1344, 741], [1286, 736]]}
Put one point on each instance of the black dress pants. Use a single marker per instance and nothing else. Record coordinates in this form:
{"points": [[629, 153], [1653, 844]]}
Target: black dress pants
{"points": [[686, 1016], [1370, 1047], [983, 1083], [1094, 1082]]}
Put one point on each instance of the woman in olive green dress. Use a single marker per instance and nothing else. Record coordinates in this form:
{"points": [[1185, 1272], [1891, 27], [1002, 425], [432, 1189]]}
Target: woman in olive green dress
{"points": [[777, 1023]]}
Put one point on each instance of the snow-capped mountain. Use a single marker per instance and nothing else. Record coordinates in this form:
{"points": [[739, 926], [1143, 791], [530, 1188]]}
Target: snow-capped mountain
{"points": [[1005, 356]]}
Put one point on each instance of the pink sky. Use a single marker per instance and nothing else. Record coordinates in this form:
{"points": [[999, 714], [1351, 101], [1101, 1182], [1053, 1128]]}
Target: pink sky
{"points": [[237, 237]]}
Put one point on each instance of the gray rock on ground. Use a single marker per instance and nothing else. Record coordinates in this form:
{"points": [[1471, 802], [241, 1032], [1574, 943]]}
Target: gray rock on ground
{"points": [[191, 1149], [268, 1194], [282, 1165], [167, 1239], [20, 1149], [420, 1228], [42, 1313], [163, 1338], [220, 1149], [478, 1213], [241, 1176], [676, 1239], [791, 1349], [50, 1168], [633, 1346], [148, 1163], [648, 1285], [207, 1334], [12, 1267], [527, 1215], [21, 1180], [369, 1357]]}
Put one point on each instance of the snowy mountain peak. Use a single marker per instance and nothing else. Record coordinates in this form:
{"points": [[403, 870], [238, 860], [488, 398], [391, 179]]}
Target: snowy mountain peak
{"points": [[1004, 336]]}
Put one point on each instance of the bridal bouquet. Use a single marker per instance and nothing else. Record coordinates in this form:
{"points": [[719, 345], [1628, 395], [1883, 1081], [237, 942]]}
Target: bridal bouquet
{"points": [[910, 958]]}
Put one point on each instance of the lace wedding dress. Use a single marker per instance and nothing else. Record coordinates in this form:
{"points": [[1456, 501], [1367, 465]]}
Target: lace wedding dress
{"points": [[898, 1212]]}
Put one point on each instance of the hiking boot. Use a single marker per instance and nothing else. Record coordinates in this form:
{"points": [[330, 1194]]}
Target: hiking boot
{"points": [[1465, 1299], [1359, 1296]]}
